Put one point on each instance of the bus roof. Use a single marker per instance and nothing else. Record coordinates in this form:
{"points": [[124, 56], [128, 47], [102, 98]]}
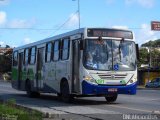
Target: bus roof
{"points": [[50, 38], [63, 35]]}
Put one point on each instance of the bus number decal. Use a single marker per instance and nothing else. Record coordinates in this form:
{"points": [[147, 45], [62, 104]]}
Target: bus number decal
{"points": [[100, 81]]}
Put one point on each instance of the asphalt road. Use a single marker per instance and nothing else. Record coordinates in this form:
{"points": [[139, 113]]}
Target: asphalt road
{"points": [[140, 106]]}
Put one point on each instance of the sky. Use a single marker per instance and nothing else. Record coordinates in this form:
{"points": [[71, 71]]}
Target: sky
{"points": [[27, 21]]}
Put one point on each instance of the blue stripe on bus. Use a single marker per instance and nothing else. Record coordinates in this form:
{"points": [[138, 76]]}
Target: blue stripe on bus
{"points": [[92, 89]]}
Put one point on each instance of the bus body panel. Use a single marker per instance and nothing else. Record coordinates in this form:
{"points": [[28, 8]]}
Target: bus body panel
{"points": [[91, 89]]}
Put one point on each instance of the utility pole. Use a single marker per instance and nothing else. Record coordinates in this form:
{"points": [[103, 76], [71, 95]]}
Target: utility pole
{"points": [[150, 57], [79, 19], [79, 13]]}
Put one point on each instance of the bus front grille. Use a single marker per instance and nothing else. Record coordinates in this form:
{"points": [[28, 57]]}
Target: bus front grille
{"points": [[112, 76]]}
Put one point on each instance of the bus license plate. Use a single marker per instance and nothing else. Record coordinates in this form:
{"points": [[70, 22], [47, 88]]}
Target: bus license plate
{"points": [[112, 90]]}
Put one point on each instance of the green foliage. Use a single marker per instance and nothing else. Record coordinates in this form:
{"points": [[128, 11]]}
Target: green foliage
{"points": [[155, 43], [6, 109], [9, 111], [153, 54], [143, 56], [6, 60], [11, 101]]}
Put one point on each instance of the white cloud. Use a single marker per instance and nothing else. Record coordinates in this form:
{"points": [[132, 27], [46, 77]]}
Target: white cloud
{"points": [[19, 23], [146, 3], [74, 19], [27, 40], [2, 44], [3, 17], [120, 27], [4, 2], [145, 34], [142, 35], [129, 2], [15, 23], [110, 1], [143, 3]]}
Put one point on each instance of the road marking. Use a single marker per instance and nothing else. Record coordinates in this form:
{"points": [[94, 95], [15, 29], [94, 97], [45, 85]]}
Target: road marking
{"points": [[141, 110]]}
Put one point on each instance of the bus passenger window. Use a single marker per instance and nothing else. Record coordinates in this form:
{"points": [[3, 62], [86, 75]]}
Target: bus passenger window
{"points": [[15, 58], [26, 53], [48, 52], [65, 49], [33, 55], [56, 51]]}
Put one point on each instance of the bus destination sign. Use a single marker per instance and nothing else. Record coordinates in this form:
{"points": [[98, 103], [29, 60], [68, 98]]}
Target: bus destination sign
{"points": [[109, 33], [155, 25]]}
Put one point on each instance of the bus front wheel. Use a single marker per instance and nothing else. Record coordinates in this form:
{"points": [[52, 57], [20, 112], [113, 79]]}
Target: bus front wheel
{"points": [[65, 96], [111, 98]]}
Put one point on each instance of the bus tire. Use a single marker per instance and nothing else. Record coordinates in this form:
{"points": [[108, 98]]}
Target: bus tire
{"points": [[29, 92], [111, 98], [59, 95], [65, 95]]}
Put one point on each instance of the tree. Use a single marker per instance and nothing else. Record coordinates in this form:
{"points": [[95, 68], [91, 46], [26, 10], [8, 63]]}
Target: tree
{"points": [[155, 43], [143, 56], [7, 46], [153, 54], [6, 61], [155, 57]]}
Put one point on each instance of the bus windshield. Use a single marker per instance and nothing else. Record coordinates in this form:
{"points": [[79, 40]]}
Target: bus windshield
{"points": [[108, 55]]}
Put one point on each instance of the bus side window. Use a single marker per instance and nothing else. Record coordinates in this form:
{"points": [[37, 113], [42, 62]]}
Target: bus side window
{"points": [[48, 52], [33, 55], [65, 49], [56, 50], [26, 56], [15, 58]]}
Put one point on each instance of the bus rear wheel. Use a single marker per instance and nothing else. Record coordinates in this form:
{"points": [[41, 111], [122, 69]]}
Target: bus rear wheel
{"points": [[28, 89], [111, 98], [65, 96], [29, 92]]}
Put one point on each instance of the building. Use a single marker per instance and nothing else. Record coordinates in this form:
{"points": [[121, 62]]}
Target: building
{"points": [[4, 50]]}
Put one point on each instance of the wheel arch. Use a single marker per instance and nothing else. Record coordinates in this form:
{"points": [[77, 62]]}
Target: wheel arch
{"points": [[65, 80]]}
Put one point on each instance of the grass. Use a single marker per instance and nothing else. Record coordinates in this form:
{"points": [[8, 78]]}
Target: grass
{"points": [[10, 111]]}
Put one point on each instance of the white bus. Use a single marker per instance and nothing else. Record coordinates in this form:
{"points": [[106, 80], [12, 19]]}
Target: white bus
{"points": [[83, 62]]}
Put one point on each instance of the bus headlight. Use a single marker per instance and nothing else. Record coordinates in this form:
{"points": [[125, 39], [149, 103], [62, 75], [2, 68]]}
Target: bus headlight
{"points": [[132, 80], [89, 79]]}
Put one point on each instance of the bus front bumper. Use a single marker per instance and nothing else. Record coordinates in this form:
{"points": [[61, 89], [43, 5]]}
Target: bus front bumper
{"points": [[92, 89]]}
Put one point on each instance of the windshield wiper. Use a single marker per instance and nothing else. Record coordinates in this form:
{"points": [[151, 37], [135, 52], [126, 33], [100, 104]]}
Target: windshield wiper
{"points": [[119, 49]]}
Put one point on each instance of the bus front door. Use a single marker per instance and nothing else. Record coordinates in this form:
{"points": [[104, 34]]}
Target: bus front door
{"points": [[75, 66], [40, 65], [20, 64]]}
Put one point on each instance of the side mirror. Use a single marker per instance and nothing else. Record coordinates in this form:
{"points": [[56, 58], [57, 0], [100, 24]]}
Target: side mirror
{"points": [[137, 52]]}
